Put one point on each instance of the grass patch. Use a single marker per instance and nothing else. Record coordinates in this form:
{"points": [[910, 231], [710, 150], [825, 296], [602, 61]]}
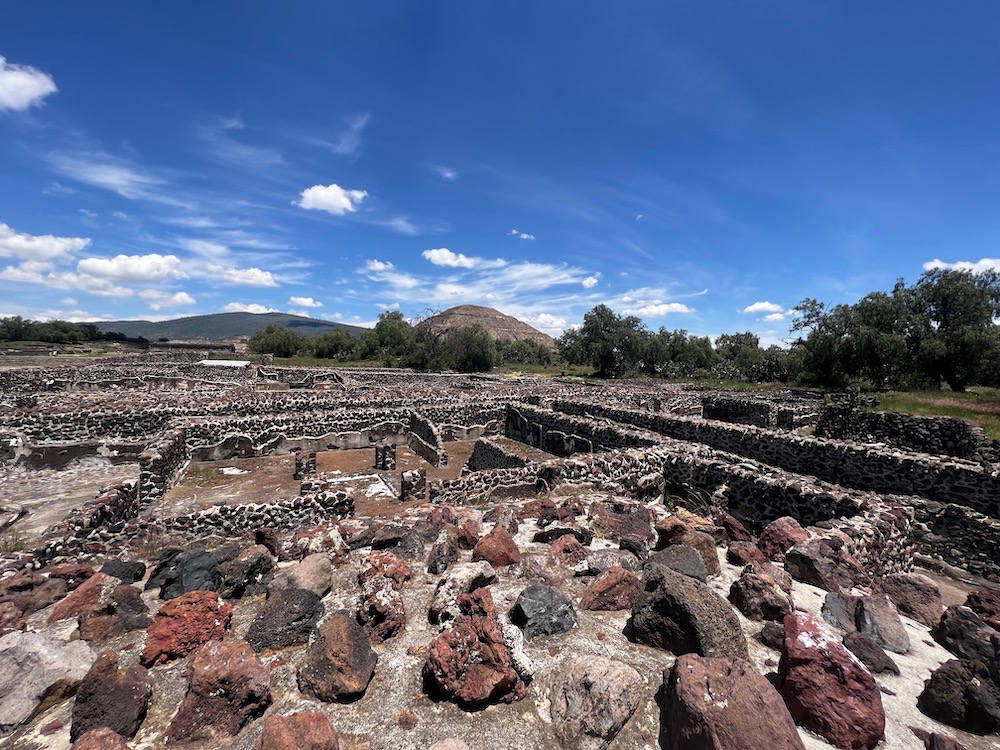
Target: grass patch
{"points": [[980, 406], [197, 474]]}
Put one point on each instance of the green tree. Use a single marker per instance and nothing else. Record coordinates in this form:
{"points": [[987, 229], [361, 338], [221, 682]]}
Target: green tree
{"points": [[606, 341], [470, 349], [391, 338], [277, 340], [338, 344]]}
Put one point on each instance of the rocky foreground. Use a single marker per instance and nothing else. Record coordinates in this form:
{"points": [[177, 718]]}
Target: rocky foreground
{"points": [[569, 621]]}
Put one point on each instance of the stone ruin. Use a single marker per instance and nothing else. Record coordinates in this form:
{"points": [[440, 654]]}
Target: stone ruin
{"points": [[593, 496]]}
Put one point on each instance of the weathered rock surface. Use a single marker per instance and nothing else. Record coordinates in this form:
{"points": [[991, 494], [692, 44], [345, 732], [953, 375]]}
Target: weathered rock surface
{"points": [[543, 610], [314, 573], [94, 589], [825, 563], [287, 618], [381, 609], [779, 536], [195, 570], [125, 571], [339, 662], [962, 632], [591, 699], [683, 559], [120, 611], [870, 653], [758, 597], [11, 619], [101, 738], [963, 694], [462, 579], [877, 618], [30, 592], [183, 624], [672, 531], [498, 548], [723, 704], [470, 663], [827, 690], [111, 697], [683, 615], [228, 686], [246, 574], [37, 671], [304, 730], [601, 561], [915, 596], [985, 603], [612, 591]]}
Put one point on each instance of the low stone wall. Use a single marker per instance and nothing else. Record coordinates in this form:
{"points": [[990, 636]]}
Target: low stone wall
{"points": [[758, 412], [161, 464], [563, 435], [425, 440], [488, 455], [864, 467], [947, 436]]}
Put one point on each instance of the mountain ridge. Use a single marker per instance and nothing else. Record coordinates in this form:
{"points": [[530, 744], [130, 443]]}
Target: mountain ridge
{"points": [[221, 326]]}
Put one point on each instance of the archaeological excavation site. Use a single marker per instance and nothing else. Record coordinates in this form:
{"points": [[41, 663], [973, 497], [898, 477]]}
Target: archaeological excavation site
{"points": [[256, 557]]}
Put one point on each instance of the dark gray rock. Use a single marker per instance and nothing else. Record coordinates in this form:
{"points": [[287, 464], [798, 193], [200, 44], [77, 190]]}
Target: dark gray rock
{"points": [[877, 618], [196, 570], [127, 572], [962, 632], [287, 618], [962, 694], [759, 597], [543, 610], [840, 610], [248, 573], [870, 654], [683, 559], [111, 697]]}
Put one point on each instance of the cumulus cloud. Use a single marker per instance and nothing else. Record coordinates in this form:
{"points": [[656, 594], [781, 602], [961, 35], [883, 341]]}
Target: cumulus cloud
{"points": [[378, 270], [332, 198], [763, 307], [304, 302], [252, 307], [520, 235], [136, 269], [242, 276], [979, 266], [22, 86], [442, 256], [657, 309], [547, 323], [590, 282], [377, 266], [158, 299], [41, 272], [775, 317], [37, 247]]}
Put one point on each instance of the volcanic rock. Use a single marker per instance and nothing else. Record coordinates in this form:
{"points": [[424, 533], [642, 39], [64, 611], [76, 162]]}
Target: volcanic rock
{"points": [[870, 653], [183, 624], [779, 536], [962, 694], [381, 610], [962, 632], [101, 738], [287, 618], [823, 562], [614, 590], [314, 573], [683, 559], [247, 574], [339, 662], [543, 610], [121, 611], [304, 730], [758, 597], [196, 570], [94, 589], [498, 548], [111, 697], [126, 572], [878, 619], [915, 596], [591, 699], [462, 579]]}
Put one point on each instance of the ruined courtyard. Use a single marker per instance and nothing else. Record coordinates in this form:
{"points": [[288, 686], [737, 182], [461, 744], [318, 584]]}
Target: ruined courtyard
{"points": [[380, 491]]}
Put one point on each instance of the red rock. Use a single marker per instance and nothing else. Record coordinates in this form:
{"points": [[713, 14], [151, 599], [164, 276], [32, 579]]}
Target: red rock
{"points": [[30, 592], [97, 587], [824, 562], [122, 611], [567, 550], [305, 730], [723, 704], [779, 536], [339, 662], [11, 618], [185, 623], [984, 602], [672, 531], [101, 738], [388, 565], [381, 610], [744, 553], [827, 690], [73, 573], [735, 530], [612, 591], [498, 548], [615, 519], [468, 534], [228, 686], [758, 596], [915, 596], [470, 663]]}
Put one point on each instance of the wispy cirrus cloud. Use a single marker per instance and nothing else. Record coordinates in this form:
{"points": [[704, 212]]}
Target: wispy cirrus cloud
{"points": [[22, 86], [218, 134], [118, 175]]}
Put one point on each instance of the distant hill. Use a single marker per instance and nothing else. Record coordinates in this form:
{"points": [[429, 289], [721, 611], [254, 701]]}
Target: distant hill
{"points": [[221, 326], [499, 326]]}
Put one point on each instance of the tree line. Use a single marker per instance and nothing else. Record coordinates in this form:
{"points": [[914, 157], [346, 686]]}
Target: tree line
{"points": [[395, 342], [16, 328]]}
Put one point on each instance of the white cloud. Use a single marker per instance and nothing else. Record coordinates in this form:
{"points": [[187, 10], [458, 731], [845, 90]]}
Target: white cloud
{"points": [[117, 175], [401, 225], [657, 309], [547, 323], [979, 266], [204, 248], [37, 247], [378, 270], [224, 147], [442, 256], [300, 313], [69, 302], [377, 266], [135, 269], [350, 139], [446, 173], [775, 317], [332, 198], [40, 272], [158, 299], [248, 276], [304, 302], [22, 86], [393, 306], [590, 282], [521, 235], [763, 307], [247, 307]]}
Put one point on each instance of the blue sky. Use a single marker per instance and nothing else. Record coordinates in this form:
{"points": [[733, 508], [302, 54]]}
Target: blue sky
{"points": [[701, 165]]}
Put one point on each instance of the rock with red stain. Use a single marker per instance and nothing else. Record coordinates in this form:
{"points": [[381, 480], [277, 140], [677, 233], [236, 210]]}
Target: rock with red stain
{"points": [[984, 602], [111, 697], [498, 548], [618, 518], [228, 687], [11, 619], [672, 531], [119, 611], [305, 730], [340, 661], [471, 663], [824, 562], [745, 553], [567, 550], [387, 565], [915, 596], [73, 574], [185, 623], [613, 591], [734, 529], [381, 610], [827, 690], [758, 596], [723, 704], [30, 592], [779, 537], [96, 588], [101, 738]]}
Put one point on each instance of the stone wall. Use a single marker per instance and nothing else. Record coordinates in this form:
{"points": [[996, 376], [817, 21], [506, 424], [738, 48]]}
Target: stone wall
{"points": [[488, 455], [864, 467], [563, 435], [947, 436], [425, 440], [161, 464], [759, 412]]}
